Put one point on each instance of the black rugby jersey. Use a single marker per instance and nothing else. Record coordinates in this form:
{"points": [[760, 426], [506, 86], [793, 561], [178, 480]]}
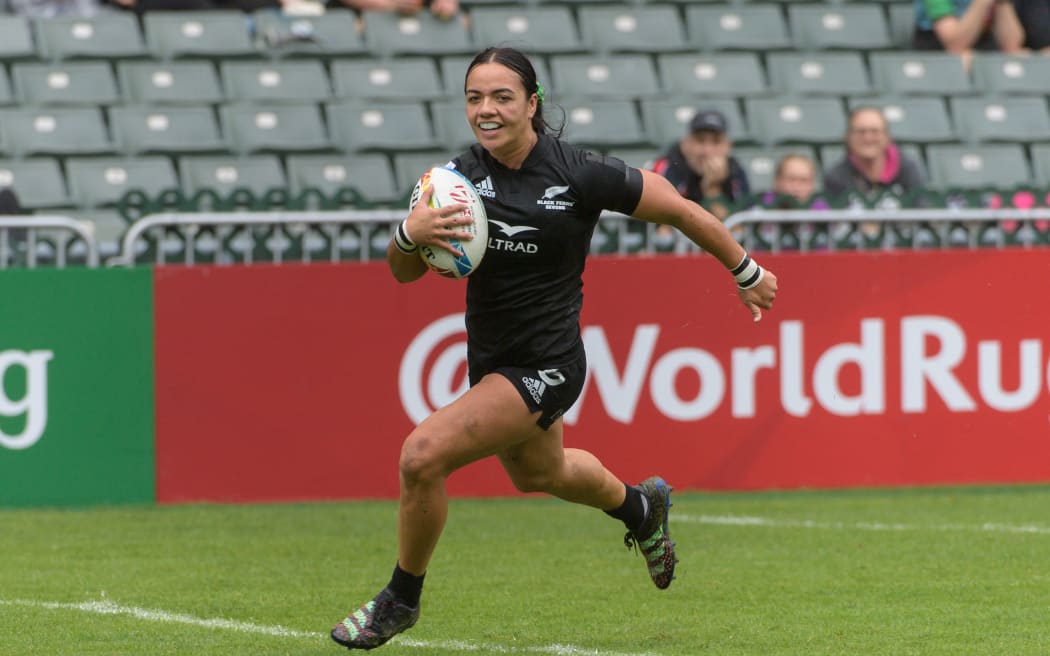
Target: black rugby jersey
{"points": [[524, 300]]}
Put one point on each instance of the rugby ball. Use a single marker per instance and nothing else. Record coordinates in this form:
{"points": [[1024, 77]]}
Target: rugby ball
{"points": [[451, 187]]}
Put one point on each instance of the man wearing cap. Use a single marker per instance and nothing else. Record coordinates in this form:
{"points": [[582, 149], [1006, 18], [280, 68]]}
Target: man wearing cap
{"points": [[700, 165]]}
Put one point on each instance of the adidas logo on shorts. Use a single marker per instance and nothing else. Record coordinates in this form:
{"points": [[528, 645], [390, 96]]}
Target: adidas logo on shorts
{"points": [[535, 387]]}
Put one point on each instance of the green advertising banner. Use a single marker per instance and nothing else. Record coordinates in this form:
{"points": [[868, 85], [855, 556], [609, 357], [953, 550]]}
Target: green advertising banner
{"points": [[76, 387]]}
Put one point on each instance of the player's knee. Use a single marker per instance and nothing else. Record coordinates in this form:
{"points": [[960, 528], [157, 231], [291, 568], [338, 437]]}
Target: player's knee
{"points": [[420, 459]]}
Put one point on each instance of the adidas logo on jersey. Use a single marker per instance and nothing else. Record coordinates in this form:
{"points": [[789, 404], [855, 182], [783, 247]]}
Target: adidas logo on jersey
{"points": [[485, 188], [535, 387]]}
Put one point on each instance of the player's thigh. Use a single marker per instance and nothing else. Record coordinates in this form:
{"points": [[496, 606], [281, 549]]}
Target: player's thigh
{"points": [[486, 420]]}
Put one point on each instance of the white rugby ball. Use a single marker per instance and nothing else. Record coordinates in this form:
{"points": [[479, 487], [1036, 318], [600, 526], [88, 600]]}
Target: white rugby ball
{"points": [[451, 187]]}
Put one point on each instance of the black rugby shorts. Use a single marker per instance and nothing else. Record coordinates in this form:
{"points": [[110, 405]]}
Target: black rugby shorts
{"points": [[551, 392]]}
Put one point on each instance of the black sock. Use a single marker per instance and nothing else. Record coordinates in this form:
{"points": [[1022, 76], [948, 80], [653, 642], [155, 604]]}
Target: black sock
{"points": [[633, 511], [406, 587]]}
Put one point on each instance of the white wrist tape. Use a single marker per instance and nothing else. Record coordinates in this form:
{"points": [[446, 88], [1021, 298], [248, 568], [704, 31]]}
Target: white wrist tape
{"points": [[401, 240], [748, 274]]}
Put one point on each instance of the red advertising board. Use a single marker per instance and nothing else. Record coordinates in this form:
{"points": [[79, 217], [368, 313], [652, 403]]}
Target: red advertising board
{"points": [[299, 382]]}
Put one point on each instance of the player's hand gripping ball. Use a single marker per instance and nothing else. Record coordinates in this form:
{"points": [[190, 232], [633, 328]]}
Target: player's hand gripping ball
{"points": [[450, 187]]}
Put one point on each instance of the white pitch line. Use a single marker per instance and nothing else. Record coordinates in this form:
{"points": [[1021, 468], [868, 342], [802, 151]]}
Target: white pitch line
{"points": [[106, 607], [768, 522]]}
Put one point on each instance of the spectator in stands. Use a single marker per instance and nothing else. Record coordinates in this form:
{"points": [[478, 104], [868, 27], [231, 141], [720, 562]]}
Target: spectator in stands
{"points": [[440, 8], [794, 184], [701, 167], [872, 163], [962, 26], [1034, 16], [795, 177]]}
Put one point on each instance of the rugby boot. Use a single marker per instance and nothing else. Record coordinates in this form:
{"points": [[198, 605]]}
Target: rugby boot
{"points": [[376, 622], [652, 538]]}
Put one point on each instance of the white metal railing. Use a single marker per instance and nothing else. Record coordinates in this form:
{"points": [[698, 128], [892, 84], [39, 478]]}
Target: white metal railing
{"points": [[197, 233], [24, 238], [332, 235], [980, 227]]}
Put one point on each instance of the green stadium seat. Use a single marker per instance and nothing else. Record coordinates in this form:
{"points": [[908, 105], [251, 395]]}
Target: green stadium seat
{"points": [[333, 34], [295, 81], [172, 83], [387, 126], [408, 78], [712, 74], [824, 73], [796, 120], [109, 35], [107, 226], [450, 125], [913, 119], [223, 174], [55, 131], [737, 27], [202, 34], [370, 174], [602, 124], [997, 73], [1019, 119], [538, 30], [67, 83], [614, 76], [280, 128], [760, 164], [7, 95], [1041, 164], [902, 25], [960, 166], [389, 33], [667, 120], [102, 182], [409, 166], [650, 29], [38, 182], [139, 130], [919, 73], [639, 158], [849, 27], [16, 39]]}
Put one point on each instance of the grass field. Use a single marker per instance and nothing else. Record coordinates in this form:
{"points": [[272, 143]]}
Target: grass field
{"points": [[931, 571]]}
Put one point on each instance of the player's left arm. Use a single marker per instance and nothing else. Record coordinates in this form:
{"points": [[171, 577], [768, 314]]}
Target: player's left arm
{"points": [[661, 203]]}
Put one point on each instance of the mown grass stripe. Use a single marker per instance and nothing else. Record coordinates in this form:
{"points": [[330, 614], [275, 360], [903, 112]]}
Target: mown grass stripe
{"points": [[769, 522], [107, 607]]}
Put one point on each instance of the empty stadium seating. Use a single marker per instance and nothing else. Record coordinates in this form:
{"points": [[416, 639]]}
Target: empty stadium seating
{"points": [[282, 82], [535, 29], [367, 102], [106, 36]]}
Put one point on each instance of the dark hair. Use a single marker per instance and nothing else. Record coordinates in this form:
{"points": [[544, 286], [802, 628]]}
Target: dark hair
{"points": [[518, 62]]}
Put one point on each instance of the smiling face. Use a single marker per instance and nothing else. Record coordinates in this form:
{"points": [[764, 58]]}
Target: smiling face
{"points": [[500, 111], [867, 136]]}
